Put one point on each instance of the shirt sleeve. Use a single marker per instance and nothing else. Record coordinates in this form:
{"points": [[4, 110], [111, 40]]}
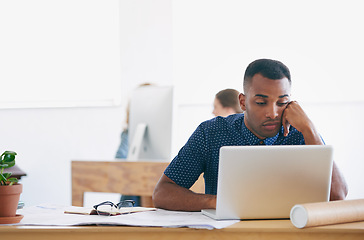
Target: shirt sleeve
{"points": [[190, 162]]}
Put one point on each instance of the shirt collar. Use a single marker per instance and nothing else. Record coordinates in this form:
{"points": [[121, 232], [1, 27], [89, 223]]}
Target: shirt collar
{"points": [[251, 139]]}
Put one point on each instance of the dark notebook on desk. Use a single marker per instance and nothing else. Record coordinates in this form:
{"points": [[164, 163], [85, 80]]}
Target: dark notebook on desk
{"points": [[265, 182]]}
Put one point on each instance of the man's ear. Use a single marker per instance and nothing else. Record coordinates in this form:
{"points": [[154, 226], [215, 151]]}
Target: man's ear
{"points": [[242, 101]]}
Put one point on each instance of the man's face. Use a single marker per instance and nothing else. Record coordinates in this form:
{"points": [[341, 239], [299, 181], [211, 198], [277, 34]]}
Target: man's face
{"points": [[264, 103]]}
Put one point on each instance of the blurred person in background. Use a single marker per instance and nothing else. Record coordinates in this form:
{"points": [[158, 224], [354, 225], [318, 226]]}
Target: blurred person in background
{"points": [[226, 103]]}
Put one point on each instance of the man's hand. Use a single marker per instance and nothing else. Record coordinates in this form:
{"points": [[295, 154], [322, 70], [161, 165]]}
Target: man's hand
{"points": [[295, 116]]}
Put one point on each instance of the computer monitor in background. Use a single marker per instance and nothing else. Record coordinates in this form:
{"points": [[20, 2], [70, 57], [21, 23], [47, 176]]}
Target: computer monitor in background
{"points": [[150, 124]]}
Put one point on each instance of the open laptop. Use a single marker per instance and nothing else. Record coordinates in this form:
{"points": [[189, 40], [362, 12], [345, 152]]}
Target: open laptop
{"points": [[265, 182]]}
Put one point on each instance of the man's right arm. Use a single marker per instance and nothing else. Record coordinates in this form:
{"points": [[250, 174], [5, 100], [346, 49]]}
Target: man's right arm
{"points": [[169, 195]]}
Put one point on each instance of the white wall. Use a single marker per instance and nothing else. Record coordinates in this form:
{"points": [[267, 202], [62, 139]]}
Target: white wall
{"points": [[49, 60], [47, 139], [168, 42]]}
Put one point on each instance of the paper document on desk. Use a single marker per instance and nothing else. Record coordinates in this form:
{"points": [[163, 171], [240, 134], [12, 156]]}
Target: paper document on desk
{"points": [[52, 215], [91, 211]]}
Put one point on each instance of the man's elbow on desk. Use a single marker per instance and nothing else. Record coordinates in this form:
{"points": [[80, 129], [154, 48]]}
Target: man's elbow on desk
{"points": [[165, 193], [168, 195]]}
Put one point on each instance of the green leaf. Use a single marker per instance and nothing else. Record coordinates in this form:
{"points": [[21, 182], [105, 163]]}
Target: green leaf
{"points": [[2, 178], [10, 164], [9, 152], [7, 159], [9, 156], [12, 181], [6, 175]]}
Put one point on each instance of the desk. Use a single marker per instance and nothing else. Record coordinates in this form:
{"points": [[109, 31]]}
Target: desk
{"points": [[129, 178], [274, 229]]}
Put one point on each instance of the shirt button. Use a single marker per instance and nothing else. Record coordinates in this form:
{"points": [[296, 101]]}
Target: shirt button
{"points": [[261, 143]]}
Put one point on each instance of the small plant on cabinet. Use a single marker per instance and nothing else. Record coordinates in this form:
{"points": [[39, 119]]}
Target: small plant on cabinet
{"points": [[7, 160]]}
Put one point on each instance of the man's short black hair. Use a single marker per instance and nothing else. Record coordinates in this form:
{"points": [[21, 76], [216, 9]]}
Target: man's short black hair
{"points": [[268, 68]]}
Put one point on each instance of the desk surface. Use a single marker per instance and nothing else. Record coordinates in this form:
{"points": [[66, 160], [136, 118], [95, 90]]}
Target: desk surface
{"points": [[273, 229]]}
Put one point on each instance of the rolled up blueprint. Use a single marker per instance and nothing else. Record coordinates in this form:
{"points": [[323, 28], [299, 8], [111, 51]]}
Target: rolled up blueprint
{"points": [[325, 213]]}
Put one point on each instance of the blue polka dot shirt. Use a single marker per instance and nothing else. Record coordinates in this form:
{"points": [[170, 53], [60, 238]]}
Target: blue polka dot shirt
{"points": [[201, 152]]}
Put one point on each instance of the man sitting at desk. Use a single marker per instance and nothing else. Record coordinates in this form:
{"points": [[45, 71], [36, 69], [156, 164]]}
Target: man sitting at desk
{"points": [[270, 118]]}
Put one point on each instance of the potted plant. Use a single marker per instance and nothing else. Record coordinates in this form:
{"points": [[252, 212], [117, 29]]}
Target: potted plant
{"points": [[10, 190]]}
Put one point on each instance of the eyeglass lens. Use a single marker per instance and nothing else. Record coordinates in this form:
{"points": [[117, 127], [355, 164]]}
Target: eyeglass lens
{"points": [[108, 208]]}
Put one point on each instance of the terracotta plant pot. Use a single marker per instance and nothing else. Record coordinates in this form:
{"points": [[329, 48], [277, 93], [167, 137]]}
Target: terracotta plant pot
{"points": [[9, 199]]}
